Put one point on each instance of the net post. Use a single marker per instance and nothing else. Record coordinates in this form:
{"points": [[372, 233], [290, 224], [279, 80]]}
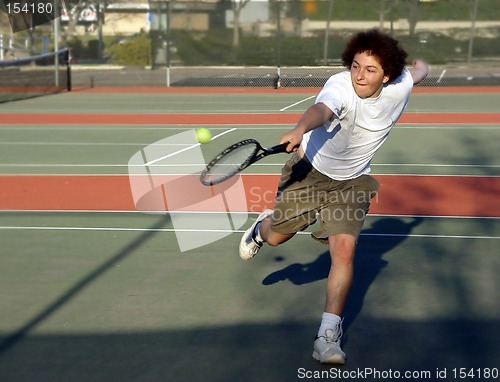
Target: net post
{"points": [[56, 43], [167, 38], [68, 70], [277, 80]]}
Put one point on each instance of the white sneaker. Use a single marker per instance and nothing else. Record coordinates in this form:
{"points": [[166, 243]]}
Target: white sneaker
{"points": [[327, 348], [248, 245]]}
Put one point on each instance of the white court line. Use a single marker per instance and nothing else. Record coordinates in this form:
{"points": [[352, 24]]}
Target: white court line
{"points": [[185, 149], [255, 165], [435, 165], [120, 229], [156, 213], [297, 103], [441, 76], [9, 143], [277, 126], [447, 126], [172, 126]]}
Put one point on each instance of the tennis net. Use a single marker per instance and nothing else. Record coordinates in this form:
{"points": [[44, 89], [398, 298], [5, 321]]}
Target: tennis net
{"points": [[35, 76]]}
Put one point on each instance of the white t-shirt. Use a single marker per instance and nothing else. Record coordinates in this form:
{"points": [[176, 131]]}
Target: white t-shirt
{"points": [[343, 148]]}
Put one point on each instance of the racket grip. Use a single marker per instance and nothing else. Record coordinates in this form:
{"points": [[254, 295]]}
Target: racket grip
{"points": [[281, 148]]}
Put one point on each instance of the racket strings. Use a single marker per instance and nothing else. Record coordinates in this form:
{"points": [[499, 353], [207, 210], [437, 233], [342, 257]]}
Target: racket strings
{"points": [[229, 163]]}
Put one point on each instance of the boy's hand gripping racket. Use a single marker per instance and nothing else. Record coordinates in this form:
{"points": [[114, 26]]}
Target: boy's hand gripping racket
{"points": [[236, 158]]}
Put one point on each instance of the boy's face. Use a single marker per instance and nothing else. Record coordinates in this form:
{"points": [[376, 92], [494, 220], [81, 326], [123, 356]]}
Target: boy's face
{"points": [[367, 75]]}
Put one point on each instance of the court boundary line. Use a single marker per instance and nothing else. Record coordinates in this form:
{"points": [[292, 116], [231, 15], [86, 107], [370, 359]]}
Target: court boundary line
{"points": [[122, 229], [297, 103], [249, 174], [431, 89], [156, 213], [153, 161], [277, 126]]}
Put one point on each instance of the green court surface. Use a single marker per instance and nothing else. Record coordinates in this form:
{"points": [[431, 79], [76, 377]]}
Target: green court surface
{"points": [[109, 295], [413, 149], [192, 103]]}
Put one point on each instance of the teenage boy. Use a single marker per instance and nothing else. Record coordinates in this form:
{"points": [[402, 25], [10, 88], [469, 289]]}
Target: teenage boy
{"points": [[328, 175]]}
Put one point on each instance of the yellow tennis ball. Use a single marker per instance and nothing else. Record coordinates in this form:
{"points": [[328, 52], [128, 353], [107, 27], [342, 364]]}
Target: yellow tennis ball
{"points": [[203, 135]]}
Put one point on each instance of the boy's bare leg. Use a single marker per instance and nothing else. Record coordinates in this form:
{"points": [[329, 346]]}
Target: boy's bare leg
{"points": [[340, 278], [327, 344], [271, 237]]}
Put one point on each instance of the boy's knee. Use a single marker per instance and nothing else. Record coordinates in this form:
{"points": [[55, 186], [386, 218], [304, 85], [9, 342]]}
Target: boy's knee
{"points": [[275, 238], [342, 246]]}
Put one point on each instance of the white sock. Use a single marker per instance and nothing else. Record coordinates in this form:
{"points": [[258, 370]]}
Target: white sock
{"points": [[328, 321]]}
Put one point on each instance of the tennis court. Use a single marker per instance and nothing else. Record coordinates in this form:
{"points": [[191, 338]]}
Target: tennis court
{"points": [[93, 290]]}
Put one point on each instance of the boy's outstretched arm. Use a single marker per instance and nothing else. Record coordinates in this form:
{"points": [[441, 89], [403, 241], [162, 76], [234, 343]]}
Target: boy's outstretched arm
{"points": [[315, 116], [419, 70]]}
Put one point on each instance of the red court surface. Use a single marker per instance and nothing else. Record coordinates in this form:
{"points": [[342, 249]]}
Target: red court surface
{"points": [[224, 119], [399, 195]]}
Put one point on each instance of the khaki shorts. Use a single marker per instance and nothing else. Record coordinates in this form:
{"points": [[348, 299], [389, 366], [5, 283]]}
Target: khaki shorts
{"points": [[304, 194]]}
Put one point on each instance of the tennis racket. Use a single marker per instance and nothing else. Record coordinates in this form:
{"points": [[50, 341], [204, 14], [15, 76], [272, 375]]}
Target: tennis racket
{"points": [[236, 158]]}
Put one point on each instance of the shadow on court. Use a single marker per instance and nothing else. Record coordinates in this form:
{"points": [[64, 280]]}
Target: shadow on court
{"points": [[7, 341], [368, 262], [273, 350], [250, 353]]}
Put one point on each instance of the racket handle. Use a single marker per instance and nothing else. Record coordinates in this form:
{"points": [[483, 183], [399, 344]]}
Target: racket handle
{"points": [[281, 148]]}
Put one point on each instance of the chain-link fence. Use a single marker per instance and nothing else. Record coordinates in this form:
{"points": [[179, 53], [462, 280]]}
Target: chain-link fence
{"points": [[298, 43], [313, 32], [177, 76]]}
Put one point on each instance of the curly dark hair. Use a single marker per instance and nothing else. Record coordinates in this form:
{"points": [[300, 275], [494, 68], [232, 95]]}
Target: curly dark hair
{"points": [[391, 56]]}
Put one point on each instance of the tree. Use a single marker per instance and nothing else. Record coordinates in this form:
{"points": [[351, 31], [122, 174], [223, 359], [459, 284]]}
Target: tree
{"points": [[383, 10], [73, 12], [412, 15], [237, 6]]}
